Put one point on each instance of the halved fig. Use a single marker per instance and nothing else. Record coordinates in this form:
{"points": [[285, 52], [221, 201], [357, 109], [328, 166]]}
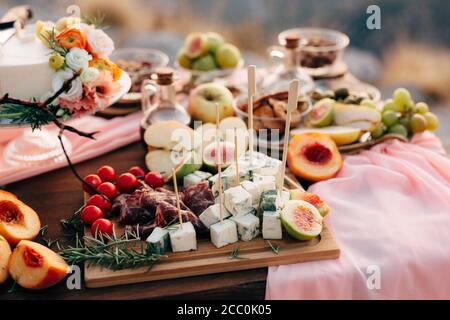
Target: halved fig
{"points": [[301, 219], [322, 113]]}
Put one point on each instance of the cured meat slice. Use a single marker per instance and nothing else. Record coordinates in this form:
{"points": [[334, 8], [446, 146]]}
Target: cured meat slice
{"points": [[198, 197]]}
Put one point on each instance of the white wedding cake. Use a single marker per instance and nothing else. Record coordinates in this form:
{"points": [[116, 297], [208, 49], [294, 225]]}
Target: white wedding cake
{"points": [[24, 69]]}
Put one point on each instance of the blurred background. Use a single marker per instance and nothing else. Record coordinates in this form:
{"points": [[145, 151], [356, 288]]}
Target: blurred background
{"points": [[412, 49]]}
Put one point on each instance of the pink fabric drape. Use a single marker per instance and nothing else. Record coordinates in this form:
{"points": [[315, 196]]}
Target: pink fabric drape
{"points": [[391, 218], [114, 133]]}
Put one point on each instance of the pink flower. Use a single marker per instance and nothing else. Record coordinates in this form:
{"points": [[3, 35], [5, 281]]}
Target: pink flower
{"points": [[104, 88], [97, 95]]}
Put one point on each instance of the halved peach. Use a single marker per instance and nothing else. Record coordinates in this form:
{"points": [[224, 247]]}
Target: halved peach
{"points": [[17, 220], [5, 253], [34, 266], [313, 156]]}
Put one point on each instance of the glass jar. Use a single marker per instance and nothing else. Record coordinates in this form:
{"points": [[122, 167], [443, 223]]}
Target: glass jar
{"points": [[159, 100], [280, 77]]}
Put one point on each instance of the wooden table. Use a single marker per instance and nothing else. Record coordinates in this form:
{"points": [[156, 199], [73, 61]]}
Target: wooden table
{"points": [[56, 195]]}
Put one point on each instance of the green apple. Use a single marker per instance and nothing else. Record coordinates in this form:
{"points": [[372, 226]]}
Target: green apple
{"points": [[214, 41], [204, 63], [195, 45], [227, 56], [203, 100]]}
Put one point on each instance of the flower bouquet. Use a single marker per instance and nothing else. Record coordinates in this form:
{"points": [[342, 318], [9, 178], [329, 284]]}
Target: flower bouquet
{"points": [[83, 80]]}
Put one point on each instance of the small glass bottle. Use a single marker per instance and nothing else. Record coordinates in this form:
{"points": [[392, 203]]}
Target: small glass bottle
{"points": [[159, 100], [281, 76]]}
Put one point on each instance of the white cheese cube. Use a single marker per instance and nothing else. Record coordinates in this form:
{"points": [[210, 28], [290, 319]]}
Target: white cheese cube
{"points": [[248, 226], [238, 201], [262, 164], [271, 225], [265, 183], [212, 215], [223, 233], [183, 238], [253, 189], [195, 177], [158, 241]]}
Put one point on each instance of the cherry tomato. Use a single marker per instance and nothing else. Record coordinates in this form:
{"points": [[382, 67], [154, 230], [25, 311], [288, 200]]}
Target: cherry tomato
{"points": [[102, 226], [99, 201], [137, 171], [108, 190], [154, 179], [107, 174], [90, 214], [127, 183], [94, 180]]}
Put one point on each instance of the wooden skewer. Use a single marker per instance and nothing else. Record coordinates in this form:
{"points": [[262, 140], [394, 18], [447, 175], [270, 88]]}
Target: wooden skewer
{"points": [[175, 186], [219, 163], [293, 183], [292, 104], [238, 181], [251, 75]]}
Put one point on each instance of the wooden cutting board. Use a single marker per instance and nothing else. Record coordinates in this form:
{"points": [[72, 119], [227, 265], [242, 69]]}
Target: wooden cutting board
{"points": [[208, 259]]}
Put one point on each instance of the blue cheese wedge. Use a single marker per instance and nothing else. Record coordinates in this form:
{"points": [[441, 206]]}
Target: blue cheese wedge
{"points": [[212, 215], [265, 183], [271, 225], [253, 189], [195, 178], [247, 226], [271, 200], [183, 238], [224, 233], [238, 201], [158, 241]]}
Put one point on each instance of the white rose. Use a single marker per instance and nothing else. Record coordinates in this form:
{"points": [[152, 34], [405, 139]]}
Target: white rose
{"points": [[60, 77], [89, 75], [77, 59], [75, 92], [99, 42]]}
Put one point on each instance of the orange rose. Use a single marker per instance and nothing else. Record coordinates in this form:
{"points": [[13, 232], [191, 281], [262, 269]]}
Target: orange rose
{"points": [[106, 65], [71, 37]]}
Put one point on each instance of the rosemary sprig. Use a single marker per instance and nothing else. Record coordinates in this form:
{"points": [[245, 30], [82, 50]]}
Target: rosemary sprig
{"points": [[112, 252], [53, 43], [73, 225], [235, 253], [36, 117], [14, 288], [44, 240], [274, 248]]}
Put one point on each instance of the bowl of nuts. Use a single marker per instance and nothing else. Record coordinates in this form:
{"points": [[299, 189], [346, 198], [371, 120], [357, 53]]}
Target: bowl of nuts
{"points": [[269, 117], [320, 51], [140, 64]]}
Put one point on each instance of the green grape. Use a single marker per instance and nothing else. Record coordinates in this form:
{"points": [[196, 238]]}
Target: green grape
{"points": [[379, 130], [410, 105], [418, 123], [390, 118], [402, 97], [390, 105], [368, 103], [399, 129], [421, 107], [432, 121], [405, 121]]}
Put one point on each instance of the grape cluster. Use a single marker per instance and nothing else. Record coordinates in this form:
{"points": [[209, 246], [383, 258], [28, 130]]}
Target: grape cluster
{"points": [[402, 116]]}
